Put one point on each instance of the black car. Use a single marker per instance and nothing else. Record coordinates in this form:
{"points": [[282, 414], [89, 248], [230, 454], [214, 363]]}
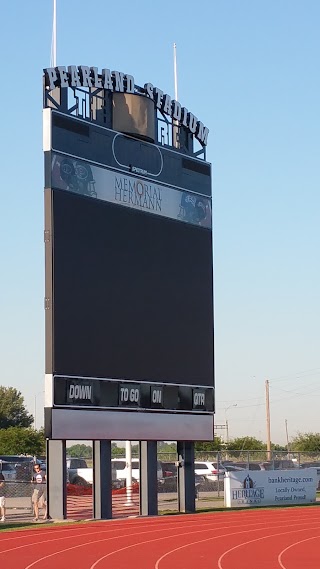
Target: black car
{"points": [[22, 464]]}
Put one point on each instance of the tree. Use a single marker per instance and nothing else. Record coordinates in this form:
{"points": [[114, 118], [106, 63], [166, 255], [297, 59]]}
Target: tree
{"points": [[117, 451], [80, 451], [246, 443], [12, 409], [280, 448], [210, 446], [19, 440], [306, 442]]}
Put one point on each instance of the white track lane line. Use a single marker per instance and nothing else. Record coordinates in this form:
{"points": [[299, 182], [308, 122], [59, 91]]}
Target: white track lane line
{"points": [[150, 523], [126, 524], [213, 538], [190, 523], [259, 539], [211, 528], [112, 530], [117, 537], [178, 535], [293, 545]]}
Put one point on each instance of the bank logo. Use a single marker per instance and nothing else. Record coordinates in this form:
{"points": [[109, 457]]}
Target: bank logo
{"points": [[248, 492], [248, 482]]}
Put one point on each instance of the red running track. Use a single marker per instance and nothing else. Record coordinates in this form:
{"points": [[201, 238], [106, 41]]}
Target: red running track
{"points": [[255, 539]]}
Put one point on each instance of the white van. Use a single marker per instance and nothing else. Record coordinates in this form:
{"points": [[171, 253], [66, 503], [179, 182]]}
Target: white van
{"points": [[120, 465]]}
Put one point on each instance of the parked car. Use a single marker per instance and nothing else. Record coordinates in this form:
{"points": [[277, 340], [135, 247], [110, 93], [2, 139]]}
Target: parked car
{"points": [[314, 465], [74, 463], [78, 472], [168, 469], [42, 461], [249, 465], [231, 468], [120, 464], [8, 470], [209, 470], [278, 464], [23, 465], [169, 482]]}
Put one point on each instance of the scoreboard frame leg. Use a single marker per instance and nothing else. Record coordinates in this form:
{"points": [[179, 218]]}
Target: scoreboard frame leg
{"points": [[102, 480], [56, 479], [148, 478], [186, 477]]}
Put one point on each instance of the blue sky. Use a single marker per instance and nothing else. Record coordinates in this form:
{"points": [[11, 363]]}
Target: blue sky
{"points": [[249, 70]]}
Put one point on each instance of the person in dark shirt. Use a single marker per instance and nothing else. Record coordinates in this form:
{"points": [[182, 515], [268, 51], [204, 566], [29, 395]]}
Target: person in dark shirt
{"points": [[39, 498]]}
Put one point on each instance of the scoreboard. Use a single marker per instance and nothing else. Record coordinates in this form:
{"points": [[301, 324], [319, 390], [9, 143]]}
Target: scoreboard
{"points": [[129, 279]]}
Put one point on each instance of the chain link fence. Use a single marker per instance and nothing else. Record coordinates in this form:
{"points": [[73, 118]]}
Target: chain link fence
{"points": [[18, 496], [17, 471], [210, 470]]}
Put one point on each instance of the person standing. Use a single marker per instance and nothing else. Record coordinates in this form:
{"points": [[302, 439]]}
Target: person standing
{"points": [[39, 492], [2, 499]]}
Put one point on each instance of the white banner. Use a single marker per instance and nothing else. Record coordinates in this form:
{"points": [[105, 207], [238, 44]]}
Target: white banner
{"points": [[270, 487], [138, 193]]}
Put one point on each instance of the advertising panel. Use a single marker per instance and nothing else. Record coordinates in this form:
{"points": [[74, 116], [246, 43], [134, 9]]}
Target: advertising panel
{"points": [[270, 488], [85, 179]]}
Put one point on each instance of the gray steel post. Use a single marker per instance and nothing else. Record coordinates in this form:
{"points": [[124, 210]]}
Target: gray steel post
{"points": [[102, 480], [148, 478], [56, 479], [186, 477]]}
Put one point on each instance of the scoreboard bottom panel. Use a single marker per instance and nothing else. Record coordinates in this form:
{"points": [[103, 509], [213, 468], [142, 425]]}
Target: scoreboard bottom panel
{"points": [[102, 393], [90, 424]]}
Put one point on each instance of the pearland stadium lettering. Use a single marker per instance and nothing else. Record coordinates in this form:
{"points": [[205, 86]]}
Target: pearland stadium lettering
{"points": [[116, 81]]}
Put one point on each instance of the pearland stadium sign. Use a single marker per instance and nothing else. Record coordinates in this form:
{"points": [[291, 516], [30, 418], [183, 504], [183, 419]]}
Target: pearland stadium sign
{"points": [[116, 81]]}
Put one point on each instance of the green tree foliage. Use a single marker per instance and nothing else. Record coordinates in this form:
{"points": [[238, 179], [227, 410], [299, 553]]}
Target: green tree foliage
{"points": [[209, 446], [279, 448], [166, 447], [306, 442], [80, 450], [245, 443], [12, 409], [117, 451], [19, 440]]}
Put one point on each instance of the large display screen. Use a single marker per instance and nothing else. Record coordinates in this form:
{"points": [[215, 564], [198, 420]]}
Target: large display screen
{"points": [[132, 294]]}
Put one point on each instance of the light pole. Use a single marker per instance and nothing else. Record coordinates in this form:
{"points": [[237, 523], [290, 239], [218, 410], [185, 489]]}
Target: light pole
{"points": [[129, 501], [226, 420], [35, 410]]}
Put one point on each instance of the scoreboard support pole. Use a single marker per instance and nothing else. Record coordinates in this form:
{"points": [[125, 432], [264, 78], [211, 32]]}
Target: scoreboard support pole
{"points": [[102, 480], [148, 478], [56, 479], [186, 477]]}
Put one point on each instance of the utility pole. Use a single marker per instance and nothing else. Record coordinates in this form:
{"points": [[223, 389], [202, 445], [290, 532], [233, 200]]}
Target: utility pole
{"points": [[268, 421], [288, 447], [226, 420]]}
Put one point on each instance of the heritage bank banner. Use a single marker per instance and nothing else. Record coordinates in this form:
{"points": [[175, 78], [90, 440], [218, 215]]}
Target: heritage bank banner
{"points": [[270, 487], [88, 180]]}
